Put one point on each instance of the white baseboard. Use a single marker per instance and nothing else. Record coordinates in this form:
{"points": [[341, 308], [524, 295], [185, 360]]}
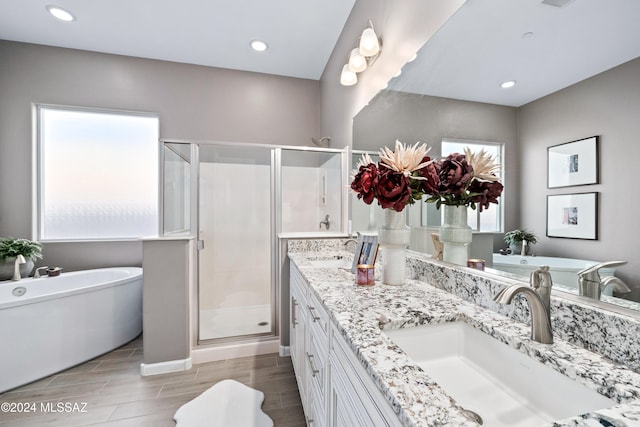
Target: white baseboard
{"points": [[285, 351], [232, 351], [147, 369]]}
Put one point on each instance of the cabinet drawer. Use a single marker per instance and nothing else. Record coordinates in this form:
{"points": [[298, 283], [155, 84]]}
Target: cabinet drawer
{"points": [[318, 316], [317, 359], [319, 409], [297, 283]]}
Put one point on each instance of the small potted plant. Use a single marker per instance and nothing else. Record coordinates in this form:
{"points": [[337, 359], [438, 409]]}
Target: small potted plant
{"points": [[514, 239], [10, 248]]}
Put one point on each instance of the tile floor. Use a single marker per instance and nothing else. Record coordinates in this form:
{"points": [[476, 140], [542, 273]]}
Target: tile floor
{"points": [[109, 391]]}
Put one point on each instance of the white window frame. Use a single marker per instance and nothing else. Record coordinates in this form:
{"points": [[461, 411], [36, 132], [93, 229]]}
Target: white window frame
{"points": [[37, 165], [471, 214]]}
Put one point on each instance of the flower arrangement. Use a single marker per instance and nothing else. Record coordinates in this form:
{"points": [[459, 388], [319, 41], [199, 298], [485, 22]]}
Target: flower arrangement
{"points": [[463, 180], [406, 174], [395, 180]]}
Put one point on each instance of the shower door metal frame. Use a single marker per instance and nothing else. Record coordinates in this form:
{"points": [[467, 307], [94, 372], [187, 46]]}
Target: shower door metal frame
{"points": [[273, 297], [275, 222]]}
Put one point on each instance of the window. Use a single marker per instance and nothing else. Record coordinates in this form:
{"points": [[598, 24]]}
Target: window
{"points": [[97, 174], [490, 219]]}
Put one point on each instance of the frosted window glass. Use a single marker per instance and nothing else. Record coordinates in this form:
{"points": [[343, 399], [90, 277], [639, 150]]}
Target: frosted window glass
{"points": [[98, 175]]}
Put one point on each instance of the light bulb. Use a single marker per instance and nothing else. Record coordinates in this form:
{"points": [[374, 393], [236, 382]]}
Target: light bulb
{"points": [[348, 77], [259, 45], [369, 44], [60, 13], [357, 62]]}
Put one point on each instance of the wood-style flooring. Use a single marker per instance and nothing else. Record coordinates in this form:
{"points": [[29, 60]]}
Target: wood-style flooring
{"points": [[109, 391]]}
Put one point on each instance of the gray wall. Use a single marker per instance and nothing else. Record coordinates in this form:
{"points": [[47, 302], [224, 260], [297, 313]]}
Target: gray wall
{"points": [[193, 102], [607, 105]]}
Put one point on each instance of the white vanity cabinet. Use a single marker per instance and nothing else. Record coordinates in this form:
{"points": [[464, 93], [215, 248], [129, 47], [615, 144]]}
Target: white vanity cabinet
{"points": [[334, 388], [309, 349], [298, 333]]}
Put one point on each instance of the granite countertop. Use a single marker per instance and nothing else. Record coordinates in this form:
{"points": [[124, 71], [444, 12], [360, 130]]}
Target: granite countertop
{"points": [[362, 313]]}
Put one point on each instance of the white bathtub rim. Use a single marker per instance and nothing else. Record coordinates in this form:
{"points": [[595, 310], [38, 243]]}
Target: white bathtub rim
{"points": [[586, 262], [135, 273]]}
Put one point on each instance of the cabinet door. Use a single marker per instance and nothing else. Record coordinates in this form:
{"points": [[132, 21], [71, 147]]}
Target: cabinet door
{"points": [[297, 336], [297, 332], [346, 409], [298, 319], [355, 396]]}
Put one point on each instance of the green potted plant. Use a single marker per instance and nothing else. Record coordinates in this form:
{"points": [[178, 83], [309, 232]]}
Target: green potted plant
{"points": [[514, 239], [10, 248]]}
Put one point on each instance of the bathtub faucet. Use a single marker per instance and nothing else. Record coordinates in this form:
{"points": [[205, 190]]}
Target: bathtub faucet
{"points": [[16, 267], [591, 285], [37, 273], [538, 297]]}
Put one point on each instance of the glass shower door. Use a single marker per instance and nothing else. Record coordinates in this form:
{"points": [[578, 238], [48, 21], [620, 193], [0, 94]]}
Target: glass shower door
{"points": [[312, 190], [234, 224]]}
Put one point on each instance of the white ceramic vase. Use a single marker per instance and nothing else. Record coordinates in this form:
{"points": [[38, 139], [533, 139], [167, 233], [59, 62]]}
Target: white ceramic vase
{"points": [[455, 235], [394, 237]]}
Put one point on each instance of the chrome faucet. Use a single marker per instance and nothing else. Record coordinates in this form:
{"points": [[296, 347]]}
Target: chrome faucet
{"points": [[350, 241], [16, 267], [37, 273], [538, 297], [591, 285], [326, 222]]}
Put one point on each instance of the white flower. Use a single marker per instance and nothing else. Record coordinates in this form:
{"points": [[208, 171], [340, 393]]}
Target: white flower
{"points": [[405, 159], [485, 168], [364, 160]]}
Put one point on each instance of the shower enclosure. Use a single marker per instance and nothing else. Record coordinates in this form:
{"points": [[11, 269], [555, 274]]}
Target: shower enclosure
{"points": [[236, 199]]}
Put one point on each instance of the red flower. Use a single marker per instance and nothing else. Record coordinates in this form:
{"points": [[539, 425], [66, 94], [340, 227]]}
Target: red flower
{"points": [[431, 172], [365, 181], [393, 189], [455, 174], [487, 192]]}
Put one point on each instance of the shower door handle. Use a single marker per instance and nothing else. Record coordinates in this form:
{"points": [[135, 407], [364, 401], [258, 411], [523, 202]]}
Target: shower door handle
{"points": [[200, 245]]}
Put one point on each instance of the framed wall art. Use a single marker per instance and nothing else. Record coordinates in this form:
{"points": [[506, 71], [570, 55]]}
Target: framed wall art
{"points": [[573, 216], [573, 163]]}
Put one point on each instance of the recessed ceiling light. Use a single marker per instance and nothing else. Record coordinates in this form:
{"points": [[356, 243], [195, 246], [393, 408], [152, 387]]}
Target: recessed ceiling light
{"points": [[259, 45], [60, 13], [508, 84]]}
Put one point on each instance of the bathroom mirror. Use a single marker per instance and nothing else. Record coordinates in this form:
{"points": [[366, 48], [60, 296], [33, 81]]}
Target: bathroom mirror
{"points": [[452, 90]]}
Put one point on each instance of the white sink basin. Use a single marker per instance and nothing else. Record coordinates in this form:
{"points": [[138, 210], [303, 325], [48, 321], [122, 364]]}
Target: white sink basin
{"points": [[497, 382]]}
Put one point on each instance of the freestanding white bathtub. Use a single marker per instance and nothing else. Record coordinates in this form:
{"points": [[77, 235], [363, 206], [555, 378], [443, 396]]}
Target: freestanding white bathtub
{"points": [[564, 271], [59, 322]]}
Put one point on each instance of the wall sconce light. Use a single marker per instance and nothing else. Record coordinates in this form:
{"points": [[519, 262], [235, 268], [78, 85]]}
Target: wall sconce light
{"points": [[348, 77], [361, 57]]}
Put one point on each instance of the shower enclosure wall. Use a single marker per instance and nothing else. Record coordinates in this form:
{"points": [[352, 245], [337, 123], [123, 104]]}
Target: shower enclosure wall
{"points": [[236, 199]]}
